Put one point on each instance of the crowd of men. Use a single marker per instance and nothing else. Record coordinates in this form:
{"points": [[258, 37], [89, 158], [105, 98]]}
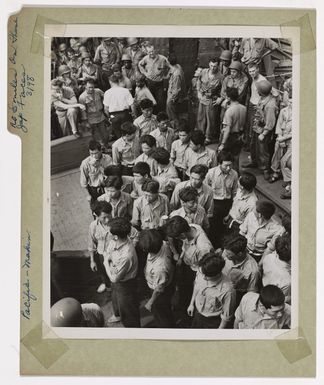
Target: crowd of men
{"points": [[168, 210]]}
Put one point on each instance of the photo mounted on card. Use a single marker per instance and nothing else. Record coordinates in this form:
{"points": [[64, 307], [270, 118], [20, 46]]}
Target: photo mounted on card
{"points": [[167, 176]]}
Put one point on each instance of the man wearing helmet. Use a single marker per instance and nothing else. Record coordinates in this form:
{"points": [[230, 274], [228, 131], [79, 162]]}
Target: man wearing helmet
{"points": [[225, 61], [88, 70], [128, 70], [236, 79], [64, 75], [263, 125]]}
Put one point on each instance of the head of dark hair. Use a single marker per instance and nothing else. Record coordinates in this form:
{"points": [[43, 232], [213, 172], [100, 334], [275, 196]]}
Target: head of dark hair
{"points": [[89, 81], [188, 194], [283, 247], [114, 181], [200, 169], [151, 186], [149, 140], [224, 156], [212, 264], [183, 126], [120, 227], [161, 116], [236, 243], [213, 59], [150, 241], [113, 169], [146, 103], [101, 207], [127, 128], [265, 208], [271, 295], [286, 222], [142, 168], [173, 59], [161, 155], [114, 79], [176, 226], [232, 93], [94, 145], [248, 181], [198, 137]]}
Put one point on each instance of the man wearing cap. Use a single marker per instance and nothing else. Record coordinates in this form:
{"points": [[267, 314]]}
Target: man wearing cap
{"points": [[155, 67], [135, 53], [66, 106], [88, 70], [118, 101], [209, 84], [263, 125], [107, 54]]}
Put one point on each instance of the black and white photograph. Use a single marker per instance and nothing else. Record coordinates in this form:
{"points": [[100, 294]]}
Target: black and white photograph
{"points": [[171, 183]]}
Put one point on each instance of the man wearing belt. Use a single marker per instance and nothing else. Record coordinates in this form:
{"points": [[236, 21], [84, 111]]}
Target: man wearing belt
{"points": [[117, 101], [155, 67], [233, 126], [223, 180], [126, 149]]}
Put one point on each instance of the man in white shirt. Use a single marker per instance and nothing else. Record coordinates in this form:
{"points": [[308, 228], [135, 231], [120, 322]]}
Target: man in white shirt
{"points": [[117, 103]]}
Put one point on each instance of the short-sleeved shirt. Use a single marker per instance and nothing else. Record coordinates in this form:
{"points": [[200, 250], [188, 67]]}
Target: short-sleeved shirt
{"points": [[121, 261], [284, 122], [108, 55], [207, 157], [163, 139], [205, 197], [155, 69], [215, 297], [100, 236], [167, 178], [224, 185], [177, 84], [277, 272], [208, 86], [150, 161], [245, 276], [178, 150], [234, 117], [123, 207], [92, 171], [249, 315], [94, 107], [196, 248], [149, 214], [125, 153], [266, 115], [252, 49], [242, 205], [145, 125], [159, 269], [117, 99], [199, 217], [258, 235]]}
